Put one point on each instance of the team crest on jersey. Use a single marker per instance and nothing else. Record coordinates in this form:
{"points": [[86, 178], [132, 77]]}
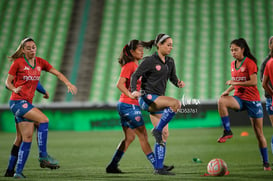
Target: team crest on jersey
{"points": [[138, 118], [26, 68], [242, 69], [158, 67], [39, 68]]}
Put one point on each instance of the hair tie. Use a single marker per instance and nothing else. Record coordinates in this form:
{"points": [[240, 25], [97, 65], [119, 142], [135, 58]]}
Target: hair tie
{"points": [[124, 49]]}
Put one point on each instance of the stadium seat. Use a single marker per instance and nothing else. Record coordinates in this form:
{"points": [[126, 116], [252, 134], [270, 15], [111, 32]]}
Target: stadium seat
{"points": [[38, 23]]}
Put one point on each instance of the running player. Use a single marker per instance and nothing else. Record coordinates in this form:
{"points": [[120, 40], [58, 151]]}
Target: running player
{"points": [[246, 96], [268, 98], [18, 140], [22, 79], [155, 71], [128, 107]]}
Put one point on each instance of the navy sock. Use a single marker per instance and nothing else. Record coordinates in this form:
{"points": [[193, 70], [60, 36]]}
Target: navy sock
{"points": [[22, 156], [151, 158], [226, 123], [272, 144], [116, 158], [264, 154], [42, 139], [13, 157], [159, 155], [166, 117]]}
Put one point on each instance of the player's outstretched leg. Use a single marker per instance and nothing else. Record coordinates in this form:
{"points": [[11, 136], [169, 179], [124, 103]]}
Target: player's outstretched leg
{"points": [[226, 135], [49, 162]]}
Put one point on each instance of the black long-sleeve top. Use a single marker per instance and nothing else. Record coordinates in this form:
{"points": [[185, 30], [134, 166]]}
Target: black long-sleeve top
{"points": [[266, 94], [155, 74]]}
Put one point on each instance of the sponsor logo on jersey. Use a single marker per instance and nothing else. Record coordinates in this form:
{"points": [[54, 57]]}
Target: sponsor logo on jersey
{"points": [[239, 79], [27, 78], [158, 67]]}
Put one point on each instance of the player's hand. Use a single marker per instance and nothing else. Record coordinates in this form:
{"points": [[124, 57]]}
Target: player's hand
{"points": [[229, 82], [136, 94], [181, 84], [71, 88], [17, 89], [46, 95]]}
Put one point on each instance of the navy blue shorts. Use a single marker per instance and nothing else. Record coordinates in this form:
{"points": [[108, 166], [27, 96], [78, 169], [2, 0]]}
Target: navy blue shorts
{"points": [[130, 115], [19, 109], [268, 106], [254, 108], [146, 100]]}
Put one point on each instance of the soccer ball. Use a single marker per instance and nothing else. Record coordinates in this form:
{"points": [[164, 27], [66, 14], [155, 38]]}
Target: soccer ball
{"points": [[217, 167]]}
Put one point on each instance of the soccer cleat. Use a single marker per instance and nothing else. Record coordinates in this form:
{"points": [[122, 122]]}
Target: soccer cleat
{"points": [[267, 167], [49, 162], [226, 135], [158, 136], [112, 169], [9, 173], [19, 176], [162, 171], [168, 168]]}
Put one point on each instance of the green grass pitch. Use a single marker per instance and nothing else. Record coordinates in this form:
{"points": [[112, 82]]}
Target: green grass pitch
{"points": [[84, 155]]}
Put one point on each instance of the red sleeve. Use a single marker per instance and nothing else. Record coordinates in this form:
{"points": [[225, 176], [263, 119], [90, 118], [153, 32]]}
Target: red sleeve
{"points": [[13, 68], [126, 71], [45, 65], [252, 67]]}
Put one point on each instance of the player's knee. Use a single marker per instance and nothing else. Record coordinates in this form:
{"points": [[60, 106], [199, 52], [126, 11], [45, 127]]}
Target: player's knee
{"points": [[176, 105], [27, 138], [43, 119]]}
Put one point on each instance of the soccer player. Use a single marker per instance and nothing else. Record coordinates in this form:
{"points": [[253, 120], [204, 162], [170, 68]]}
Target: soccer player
{"points": [[128, 107], [22, 79], [246, 96], [268, 97], [155, 71], [18, 140]]}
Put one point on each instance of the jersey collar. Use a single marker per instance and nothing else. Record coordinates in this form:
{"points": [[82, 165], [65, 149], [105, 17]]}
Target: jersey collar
{"points": [[240, 64], [29, 63]]}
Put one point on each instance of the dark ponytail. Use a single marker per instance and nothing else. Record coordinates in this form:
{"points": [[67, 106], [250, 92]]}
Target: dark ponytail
{"points": [[160, 38], [270, 41], [126, 55], [241, 42]]}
